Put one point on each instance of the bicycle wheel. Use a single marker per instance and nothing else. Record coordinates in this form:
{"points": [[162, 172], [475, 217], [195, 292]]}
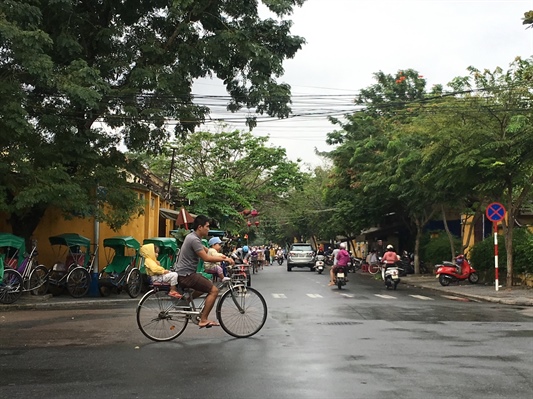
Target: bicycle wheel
{"points": [[134, 283], [11, 286], [157, 316], [38, 281], [250, 320], [78, 282], [373, 268]]}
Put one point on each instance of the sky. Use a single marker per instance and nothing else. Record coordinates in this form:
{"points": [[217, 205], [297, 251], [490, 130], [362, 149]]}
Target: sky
{"points": [[349, 40]]}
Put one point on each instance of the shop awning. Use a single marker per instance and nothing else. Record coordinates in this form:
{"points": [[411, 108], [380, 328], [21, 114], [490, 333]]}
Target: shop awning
{"points": [[168, 213]]}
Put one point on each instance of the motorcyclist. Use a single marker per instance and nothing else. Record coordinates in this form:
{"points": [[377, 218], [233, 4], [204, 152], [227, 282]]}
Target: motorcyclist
{"points": [[390, 257], [342, 259]]}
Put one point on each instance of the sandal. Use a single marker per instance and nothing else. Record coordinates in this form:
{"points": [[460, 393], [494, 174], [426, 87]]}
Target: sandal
{"points": [[175, 294]]}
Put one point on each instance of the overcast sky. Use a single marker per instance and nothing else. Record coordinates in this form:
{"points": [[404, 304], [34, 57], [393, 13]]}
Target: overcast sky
{"points": [[349, 40]]}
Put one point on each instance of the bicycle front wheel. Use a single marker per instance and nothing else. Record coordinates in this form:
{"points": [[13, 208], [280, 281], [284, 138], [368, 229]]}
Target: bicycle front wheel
{"points": [[242, 312], [157, 316], [373, 268]]}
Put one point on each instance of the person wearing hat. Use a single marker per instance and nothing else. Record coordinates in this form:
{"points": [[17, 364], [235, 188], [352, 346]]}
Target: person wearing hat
{"points": [[213, 267]]}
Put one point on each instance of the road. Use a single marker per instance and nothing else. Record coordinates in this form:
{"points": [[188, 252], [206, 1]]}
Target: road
{"points": [[359, 342]]}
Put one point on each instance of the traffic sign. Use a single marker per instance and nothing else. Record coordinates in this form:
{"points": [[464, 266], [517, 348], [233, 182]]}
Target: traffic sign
{"points": [[495, 212]]}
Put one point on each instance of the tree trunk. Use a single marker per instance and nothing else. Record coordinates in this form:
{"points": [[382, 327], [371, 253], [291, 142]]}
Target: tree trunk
{"points": [[509, 237], [24, 225], [448, 233], [418, 239]]}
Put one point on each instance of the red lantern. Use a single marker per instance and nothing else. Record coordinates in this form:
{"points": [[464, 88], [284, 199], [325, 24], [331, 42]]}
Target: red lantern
{"points": [[254, 213], [256, 223], [246, 212], [248, 223]]}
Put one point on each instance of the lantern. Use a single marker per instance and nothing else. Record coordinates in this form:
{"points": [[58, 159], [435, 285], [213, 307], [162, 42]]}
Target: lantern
{"points": [[246, 212], [248, 223], [256, 223], [254, 213]]}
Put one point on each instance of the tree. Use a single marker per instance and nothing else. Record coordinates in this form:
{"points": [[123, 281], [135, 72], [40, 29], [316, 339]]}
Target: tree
{"points": [[221, 174], [78, 78], [490, 144]]}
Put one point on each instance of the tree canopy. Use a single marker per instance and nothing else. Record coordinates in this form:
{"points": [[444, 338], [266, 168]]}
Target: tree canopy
{"points": [[80, 78]]}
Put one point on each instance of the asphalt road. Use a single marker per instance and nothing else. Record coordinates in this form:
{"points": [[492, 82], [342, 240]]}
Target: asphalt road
{"points": [[359, 342]]}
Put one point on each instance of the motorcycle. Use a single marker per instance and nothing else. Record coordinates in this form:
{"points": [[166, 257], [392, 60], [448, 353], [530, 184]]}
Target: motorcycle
{"points": [[354, 264], [391, 276], [340, 277], [449, 272], [279, 259], [319, 263]]}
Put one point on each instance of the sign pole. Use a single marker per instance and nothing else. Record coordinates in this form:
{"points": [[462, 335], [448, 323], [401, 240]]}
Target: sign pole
{"points": [[495, 224], [495, 212]]}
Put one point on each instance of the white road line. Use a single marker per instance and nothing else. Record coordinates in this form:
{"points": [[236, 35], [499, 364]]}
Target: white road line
{"points": [[385, 296], [279, 296], [456, 298], [314, 296], [424, 298], [348, 295]]}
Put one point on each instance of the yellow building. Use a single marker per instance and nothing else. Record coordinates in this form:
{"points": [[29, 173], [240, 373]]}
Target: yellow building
{"points": [[156, 221]]}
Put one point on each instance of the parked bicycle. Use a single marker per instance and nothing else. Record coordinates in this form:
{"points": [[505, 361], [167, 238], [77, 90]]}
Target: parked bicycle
{"points": [[241, 311]]}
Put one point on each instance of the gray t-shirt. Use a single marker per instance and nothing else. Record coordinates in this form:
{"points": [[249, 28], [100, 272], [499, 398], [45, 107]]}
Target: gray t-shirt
{"points": [[188, 257]]}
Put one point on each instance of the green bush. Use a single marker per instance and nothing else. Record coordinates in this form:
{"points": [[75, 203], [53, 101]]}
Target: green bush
{"points": [[482, 253], [438, 249]]}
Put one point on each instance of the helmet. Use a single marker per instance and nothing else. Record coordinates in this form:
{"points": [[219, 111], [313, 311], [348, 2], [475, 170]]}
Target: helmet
{"points": [[460, 259], [390, 247], [245, 248], [343, 245]]}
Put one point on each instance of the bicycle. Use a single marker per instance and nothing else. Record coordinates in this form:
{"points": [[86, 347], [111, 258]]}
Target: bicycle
{"points": [[373, 268], [240, 310]]}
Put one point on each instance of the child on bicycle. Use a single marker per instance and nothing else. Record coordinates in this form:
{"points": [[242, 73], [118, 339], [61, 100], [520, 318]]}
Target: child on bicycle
{"points": [[214, 267], [156, 272]]}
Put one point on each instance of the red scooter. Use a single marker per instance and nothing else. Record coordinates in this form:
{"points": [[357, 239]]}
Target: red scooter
{"points": [[449, 272]]}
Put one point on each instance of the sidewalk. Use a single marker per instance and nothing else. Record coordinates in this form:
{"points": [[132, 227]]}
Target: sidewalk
{"points": [[65, 301], [518, 296]]}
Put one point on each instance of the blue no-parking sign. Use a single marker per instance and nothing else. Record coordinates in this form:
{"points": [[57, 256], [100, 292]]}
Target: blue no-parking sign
{"points": [[495, 212]]}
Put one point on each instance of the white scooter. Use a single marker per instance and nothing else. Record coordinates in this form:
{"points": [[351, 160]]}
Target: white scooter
{"points": [[391, 276], [319, 263]]}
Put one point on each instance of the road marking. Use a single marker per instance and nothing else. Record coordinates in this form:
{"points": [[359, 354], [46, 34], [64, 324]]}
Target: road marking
{"points": [[314, 296], [424, 298], [456, 298], [385, 296], [348, 295], [279, 296]]}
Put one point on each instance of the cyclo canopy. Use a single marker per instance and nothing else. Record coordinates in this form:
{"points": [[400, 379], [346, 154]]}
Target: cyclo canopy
{"points": [[79, 247]]}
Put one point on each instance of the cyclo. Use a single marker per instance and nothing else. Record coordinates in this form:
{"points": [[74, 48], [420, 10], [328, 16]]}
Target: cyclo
{"points": [[74, 273], [123, 266], [20, 271]]}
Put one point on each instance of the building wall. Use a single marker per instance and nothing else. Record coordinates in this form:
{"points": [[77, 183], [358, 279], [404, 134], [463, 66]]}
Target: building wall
{"points": [[53, 223]]}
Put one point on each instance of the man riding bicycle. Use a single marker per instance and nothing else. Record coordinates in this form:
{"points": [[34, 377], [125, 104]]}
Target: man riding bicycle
{"points": [[191, 252]]}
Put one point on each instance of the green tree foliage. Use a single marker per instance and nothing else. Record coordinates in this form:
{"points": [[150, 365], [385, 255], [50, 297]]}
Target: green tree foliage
{"points": [[222, 174], [488, 140], [78, 78]]}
